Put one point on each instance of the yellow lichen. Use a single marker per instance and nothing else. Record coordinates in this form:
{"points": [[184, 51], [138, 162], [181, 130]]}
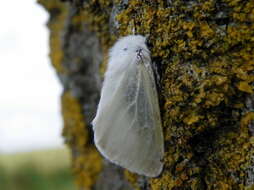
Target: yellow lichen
{"points": [[87, 167], [132, 178], [245, 87], [56, 27], [247, 118], [191, 119], [205, 30], [87, 162], [207, 72]]}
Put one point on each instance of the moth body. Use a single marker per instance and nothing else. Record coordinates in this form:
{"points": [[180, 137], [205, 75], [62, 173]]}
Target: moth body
{"points": [[127, 127]]}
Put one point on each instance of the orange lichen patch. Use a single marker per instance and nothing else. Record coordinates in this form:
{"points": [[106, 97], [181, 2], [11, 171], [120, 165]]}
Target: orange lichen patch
{"points": [[56, 26], [87, 162]]}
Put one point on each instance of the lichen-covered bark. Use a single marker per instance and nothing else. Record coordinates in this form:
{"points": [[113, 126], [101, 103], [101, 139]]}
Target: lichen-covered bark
{"points": [[204, 51]]}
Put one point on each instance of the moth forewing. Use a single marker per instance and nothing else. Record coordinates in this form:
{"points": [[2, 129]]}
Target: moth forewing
{"points": [[127, 126]]}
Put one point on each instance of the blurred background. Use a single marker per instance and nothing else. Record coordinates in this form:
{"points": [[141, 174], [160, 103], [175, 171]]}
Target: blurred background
{"points": [[32, 154]]}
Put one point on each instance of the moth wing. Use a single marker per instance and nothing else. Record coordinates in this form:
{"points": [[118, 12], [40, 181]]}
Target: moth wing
{"points": [[127, 127]]}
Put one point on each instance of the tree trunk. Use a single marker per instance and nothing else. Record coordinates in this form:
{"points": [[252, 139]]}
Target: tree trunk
{"points": [[204, 52]]}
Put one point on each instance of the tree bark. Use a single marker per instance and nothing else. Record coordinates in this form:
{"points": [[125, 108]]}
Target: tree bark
{"points": [[204, 52]]}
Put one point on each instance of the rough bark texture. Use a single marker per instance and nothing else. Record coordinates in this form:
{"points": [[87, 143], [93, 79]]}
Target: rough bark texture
{"points": [[204, 51]]}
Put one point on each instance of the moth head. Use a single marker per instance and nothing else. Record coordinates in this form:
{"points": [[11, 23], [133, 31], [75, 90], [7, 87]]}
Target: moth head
{"points": [[130, 46]]}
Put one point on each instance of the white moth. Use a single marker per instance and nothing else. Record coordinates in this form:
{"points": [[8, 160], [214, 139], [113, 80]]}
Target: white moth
{"points": [[127, 127]]}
